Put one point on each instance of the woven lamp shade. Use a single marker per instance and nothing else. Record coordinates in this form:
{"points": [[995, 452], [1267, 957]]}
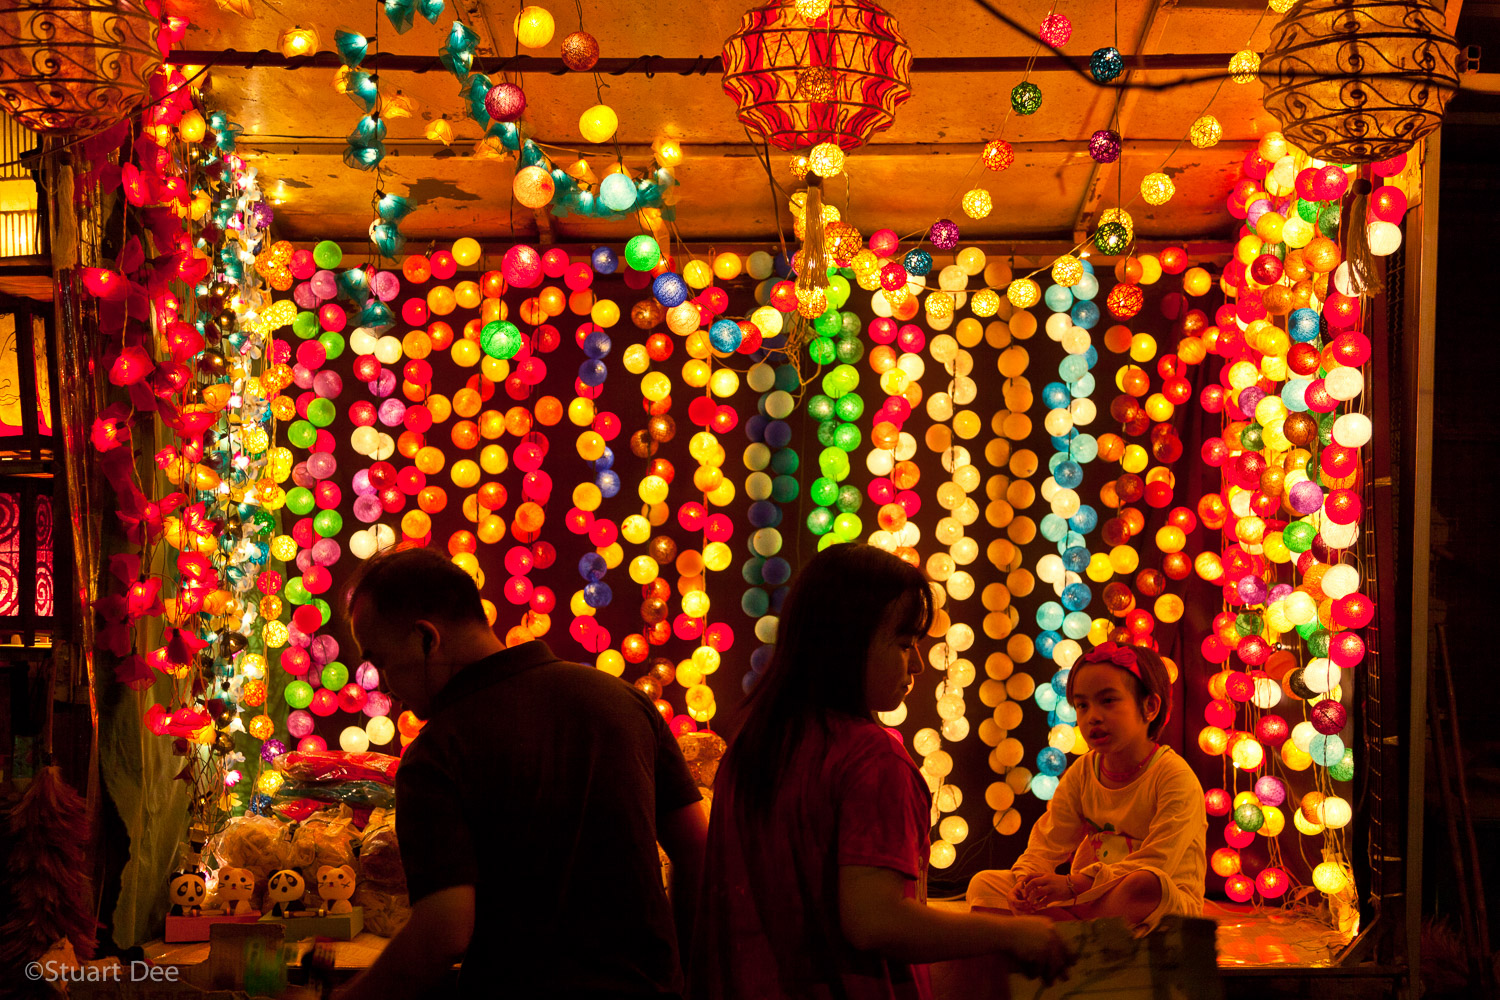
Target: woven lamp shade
{"points": [[836, 79], [1356, 82], [75, 65]]}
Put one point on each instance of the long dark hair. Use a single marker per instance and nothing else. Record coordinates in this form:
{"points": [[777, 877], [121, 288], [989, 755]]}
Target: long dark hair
{"points": [[836, 604]]}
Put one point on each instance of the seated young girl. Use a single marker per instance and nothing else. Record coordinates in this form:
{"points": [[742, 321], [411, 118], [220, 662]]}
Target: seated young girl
{"points": [[814, 874], [1128, 814]]}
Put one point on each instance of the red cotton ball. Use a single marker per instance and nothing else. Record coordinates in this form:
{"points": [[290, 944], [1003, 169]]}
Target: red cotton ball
{"points": [[1329, 717]]}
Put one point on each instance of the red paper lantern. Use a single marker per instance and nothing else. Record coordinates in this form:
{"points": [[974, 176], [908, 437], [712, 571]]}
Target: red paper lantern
{"points": [[837, 81]]}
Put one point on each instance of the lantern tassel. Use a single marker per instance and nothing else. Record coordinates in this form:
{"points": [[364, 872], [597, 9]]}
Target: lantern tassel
{"points": [[811, 276], [1364, 272]]}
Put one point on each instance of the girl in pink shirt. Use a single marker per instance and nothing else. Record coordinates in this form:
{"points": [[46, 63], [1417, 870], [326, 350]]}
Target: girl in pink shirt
{"points": [[814, 880], [1128, 815]]}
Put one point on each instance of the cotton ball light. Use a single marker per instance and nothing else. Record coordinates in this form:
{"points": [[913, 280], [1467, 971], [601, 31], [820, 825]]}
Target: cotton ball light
{"points": [[941, 854], [353, 739], [1384, 238], [953, 829], [598, 123], [1340, 581], [533, 187], [1335, 813], [534, 27], [1157, 188], [1332, 878], [1353, 430]]}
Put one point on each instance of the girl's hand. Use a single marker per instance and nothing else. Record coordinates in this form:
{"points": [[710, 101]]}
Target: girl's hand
{"points": [[1035, 892]]}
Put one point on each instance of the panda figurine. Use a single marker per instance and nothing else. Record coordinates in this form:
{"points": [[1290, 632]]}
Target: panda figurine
{"points": [[335, 886], [284, 891], [187, 890]]}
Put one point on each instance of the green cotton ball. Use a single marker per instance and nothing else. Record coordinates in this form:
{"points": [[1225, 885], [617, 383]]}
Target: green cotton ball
{"points": [[826, 431], [1307, 210], [320, 412], [784, 489], [305, 324], [333, 343], [328, 523], [852, 325], [829, 324], [848, 527], [1344, 769], [850, 408], [1248, 623], [834, 463], [850, 499], [1329, 218], [1317, 642], [820, 521], [840, 381], [787, 379], [324, 608], [328, 256], [301, 434], [335, 675], [1253, 437], [848, 350], [1298, 536], [756, 602], [500, 339], [1250, 817], [295, 591], [824, 492], [828, 541], [299, 500], [642, 252], [822, 351], [847, 437], [838, 292], [786, 462], [298, 694], [820, 408]]}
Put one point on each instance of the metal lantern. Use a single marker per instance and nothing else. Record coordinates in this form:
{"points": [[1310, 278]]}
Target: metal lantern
{"points": [[803, 75], [75, 65], [1355, 81]]}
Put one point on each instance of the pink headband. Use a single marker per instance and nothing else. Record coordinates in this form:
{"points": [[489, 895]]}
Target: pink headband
{"points": [[1120, 656]]}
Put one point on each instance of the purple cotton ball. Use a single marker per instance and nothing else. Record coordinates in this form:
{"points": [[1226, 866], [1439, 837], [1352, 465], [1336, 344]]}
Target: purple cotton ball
{"points": [[377, 703], [384, 384], [1270, 791], [302, 376], [361, 484], [302, 476], [392, 412], [1250, 397], [1278, 592], [271, 749], [325, 285], [367, 508], [304, 296], [328, 385], [385, 285], [325, 649], [322, 464], [1305, 497], [366, 676], [299, 722], [1252, 590], [944, 234], [326, 552], [304, 560], [297, 638]]}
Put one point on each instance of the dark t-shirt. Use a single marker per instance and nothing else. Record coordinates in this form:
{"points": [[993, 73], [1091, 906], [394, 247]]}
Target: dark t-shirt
{"points": [[540, 783], [768, 919]]}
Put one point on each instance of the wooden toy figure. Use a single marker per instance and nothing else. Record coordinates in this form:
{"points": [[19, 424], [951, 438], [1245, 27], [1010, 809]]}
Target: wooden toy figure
{"points": [[284, 892], [186, 890], [336, 885], [236, 887]]}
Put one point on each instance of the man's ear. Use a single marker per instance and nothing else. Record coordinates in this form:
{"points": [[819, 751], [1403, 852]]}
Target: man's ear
{"points": [[428, 635]]}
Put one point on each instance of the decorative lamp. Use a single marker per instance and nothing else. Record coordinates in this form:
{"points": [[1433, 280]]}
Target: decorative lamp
{"points": [[1025, 98], [1356, 83], [1055, 30], [943, 234], [997, 154], [978, 203], [580, 51], [75, 66], [505, 102], [1206, 132], [1104, 146], [1157, 189], [767, 65], [1106, 64], [1244, 66], [1112, 238], [295, 42], [826, 159], [534, 27]]}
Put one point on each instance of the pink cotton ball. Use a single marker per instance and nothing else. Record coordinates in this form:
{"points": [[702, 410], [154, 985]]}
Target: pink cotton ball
{"points": [[366, 676], [300, 723], [326, 553], [392, 412], [1055, 31], [325, 285], [385, 285], [312, 744], [302, 476], [377, 703], [367, 508], [361, 484], [302, 264], [304, 295], [321, 465]]}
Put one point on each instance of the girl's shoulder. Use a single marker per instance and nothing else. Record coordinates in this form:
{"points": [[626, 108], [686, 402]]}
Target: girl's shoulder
{"points": [[1171, 771]]}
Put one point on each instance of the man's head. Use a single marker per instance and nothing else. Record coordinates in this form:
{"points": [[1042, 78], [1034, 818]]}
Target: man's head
{"points": [[418, 618]]}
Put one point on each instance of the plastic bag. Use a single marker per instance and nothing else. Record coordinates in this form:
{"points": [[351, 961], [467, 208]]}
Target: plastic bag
{"points": [[258, 843], [380, 853], [386, 912], [353, 793], [338, 765]]}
